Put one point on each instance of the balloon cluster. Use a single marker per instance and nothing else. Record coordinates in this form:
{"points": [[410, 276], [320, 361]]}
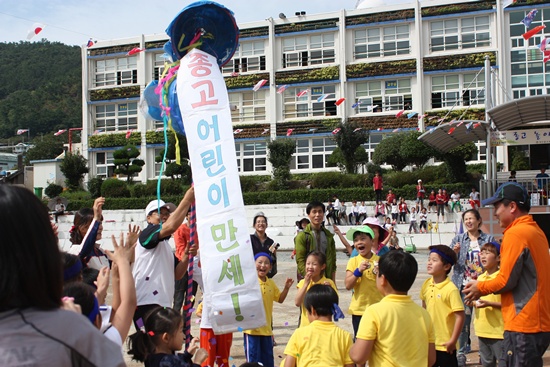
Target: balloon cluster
{"points": [[205, 25]]}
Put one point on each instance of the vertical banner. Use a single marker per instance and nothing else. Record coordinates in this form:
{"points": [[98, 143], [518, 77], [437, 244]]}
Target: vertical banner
{"points": [[231, 285]]}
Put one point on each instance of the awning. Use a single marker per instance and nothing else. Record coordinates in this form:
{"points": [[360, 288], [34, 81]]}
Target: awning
{"points": [[520, 112], [464, 132]]}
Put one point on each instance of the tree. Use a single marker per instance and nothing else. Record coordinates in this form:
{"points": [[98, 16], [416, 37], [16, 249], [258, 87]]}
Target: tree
{"points": [[455, 161], [172, 169], [519, 161], [46, 147], [279, 154], [350, 152], [389, 151], [74, 167], [414, 151], [126, 162]]}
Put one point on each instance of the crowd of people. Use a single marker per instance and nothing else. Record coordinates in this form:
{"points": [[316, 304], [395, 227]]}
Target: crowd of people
{"points": [[503, 286]]}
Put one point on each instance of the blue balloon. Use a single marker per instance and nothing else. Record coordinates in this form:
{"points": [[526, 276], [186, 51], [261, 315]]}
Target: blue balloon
{"points": [[216, 22], [175, 113], [169, 52], [152, 100]]}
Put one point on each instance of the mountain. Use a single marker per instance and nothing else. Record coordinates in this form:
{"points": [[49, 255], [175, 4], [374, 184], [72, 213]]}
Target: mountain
{"points": [[40, 87]]}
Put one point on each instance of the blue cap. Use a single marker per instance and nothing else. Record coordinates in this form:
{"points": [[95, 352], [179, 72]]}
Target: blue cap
{"points": [[511, 191]]}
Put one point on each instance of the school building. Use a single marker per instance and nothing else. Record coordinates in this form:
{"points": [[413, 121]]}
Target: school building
{"points": [[424, 58]]}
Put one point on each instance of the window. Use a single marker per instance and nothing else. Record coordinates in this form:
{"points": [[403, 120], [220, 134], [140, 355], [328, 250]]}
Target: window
{"points": [[388, 95], [158, 66], [312, 153], [105, 166], [247, 106], [385, 41], [460, 90], [250, 56], [529, 72], [455, 34], [116, 117], [116, 71], [158, 164], [308, 50], [251, 156], [305, 102], [370, 145]]}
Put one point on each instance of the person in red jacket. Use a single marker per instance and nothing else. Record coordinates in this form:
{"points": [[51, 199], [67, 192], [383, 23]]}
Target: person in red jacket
{"points": [[440, 201], [523, 281], [389, 200], [377, 185], [420, 194]]}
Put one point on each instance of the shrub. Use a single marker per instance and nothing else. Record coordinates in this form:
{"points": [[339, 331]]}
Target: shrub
{"points": [[53, 190], [94, 186], [167, 187], [327, 180], [114, 188], [251, 183]]}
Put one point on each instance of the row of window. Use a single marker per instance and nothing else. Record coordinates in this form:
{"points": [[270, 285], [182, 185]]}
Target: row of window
{"points": [[311, 154], [299, 102], [318, 49]]}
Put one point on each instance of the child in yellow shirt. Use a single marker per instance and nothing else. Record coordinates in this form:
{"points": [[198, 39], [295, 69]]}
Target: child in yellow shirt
{"points": [[441, 298], [316, 262], [321, 342], [258, 343], [359, 275], [488, 321], [395, 331]]}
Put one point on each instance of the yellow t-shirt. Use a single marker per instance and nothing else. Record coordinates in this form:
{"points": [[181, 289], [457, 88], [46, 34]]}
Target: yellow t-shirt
{"points": [[303, 319], [401, 329], [365, 292], [270, 294], [488, 321], [442, 301], [320, 344]]}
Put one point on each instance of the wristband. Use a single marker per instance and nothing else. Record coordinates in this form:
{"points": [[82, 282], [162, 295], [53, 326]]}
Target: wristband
{"points": [[357, 273]]}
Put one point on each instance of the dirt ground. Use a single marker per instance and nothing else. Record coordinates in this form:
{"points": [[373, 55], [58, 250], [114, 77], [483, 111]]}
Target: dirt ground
{"points": [[285, 316]]}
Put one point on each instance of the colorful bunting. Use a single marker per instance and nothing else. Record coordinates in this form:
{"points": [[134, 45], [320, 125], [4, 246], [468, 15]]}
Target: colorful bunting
{"points": [[543, 44], [340, 101], [313, 129], [289, 132], [451, 130], [302, 93], [336, 131], [99, 130], [134, 51], [532, 32], [128, 134], [282, 88], [396, 130], [357, 129], [411, 114], [265, 131], [234, 73], [371, 108], [90, 43], [260, 84], [60, 131], [477, 124], [237, 131], [36, 28], [400, 113], [546, 57], [356, 104], [529, 18], [323, 97], [22, 131]]}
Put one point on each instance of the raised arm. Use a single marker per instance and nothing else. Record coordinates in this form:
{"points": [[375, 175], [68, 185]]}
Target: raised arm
{"points": [[284, 293], [177, 217]]}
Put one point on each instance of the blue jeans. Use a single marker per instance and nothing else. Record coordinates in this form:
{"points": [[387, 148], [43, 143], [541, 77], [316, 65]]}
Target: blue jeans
{"points": [[464, 338]]}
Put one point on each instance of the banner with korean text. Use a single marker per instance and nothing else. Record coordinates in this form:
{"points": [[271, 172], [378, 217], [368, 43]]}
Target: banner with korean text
{"points": [[520, 137], [228, 268]]}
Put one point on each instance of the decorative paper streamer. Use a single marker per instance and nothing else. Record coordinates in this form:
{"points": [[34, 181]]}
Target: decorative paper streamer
{"points": [[529, 18], [22, 131], [532, 32], [340, 101], [411, 114], [60, 131], [128, 134], [36, 28], [400, 113], [134, 51], [451, 130], [336, 131], [357, 129], [282, 88], [323, 97], [289, 132], [90, 43], [237, 131], [302, 93], [258, 85], [265, 131]]}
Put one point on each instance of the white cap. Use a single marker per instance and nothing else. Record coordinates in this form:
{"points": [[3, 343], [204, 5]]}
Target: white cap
{"points": [[419, 180], [158, 204]]}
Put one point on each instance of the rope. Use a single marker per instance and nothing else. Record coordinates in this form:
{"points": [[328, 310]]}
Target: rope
{"points": [[189, 295]]}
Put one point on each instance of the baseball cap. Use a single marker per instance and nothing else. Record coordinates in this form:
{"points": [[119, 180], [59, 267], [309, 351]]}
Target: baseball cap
{"points": [[363, 229], [509, 190], [158, 204], [419, 180]]}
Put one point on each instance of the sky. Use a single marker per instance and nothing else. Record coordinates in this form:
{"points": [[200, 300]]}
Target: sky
{"points": [[73, 22]]}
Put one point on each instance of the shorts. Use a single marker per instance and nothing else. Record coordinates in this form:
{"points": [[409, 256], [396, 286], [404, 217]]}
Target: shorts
{"points": [[259, 348]]}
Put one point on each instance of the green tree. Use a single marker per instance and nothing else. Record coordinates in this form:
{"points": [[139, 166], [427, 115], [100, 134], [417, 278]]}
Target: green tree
{"points": [[279, 154], [74, 167], [519, 161], [45, 147], [414, 151], [388, 151], [350, 152], [173, 170], [455, 161], [126, 162]]}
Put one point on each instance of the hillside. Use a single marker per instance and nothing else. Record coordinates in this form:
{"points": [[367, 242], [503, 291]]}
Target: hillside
{"points": [[40, 87]]}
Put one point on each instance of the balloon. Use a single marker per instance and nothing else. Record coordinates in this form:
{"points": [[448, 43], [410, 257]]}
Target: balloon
{"points": [[208, 24], [175, 113], [169, 52], [150, 102]]}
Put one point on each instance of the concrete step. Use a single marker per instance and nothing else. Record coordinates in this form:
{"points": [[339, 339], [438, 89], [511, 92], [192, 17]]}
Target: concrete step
{"points": [[281, 226]]}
